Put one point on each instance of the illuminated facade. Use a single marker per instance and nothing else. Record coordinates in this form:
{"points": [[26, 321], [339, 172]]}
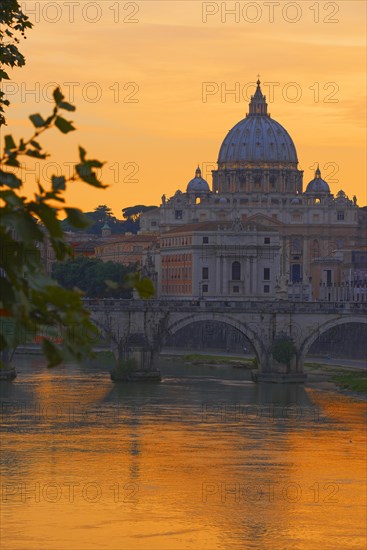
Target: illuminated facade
{"points": [[258, 182]]}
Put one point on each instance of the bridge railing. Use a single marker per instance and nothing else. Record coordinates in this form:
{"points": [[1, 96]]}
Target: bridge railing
{"points": [[353, 292], [223, 305]]}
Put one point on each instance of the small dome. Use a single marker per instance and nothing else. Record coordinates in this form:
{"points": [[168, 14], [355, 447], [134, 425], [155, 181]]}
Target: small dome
{"points": [[198, 184], [222, 200], [318, 185], [296, 201]]}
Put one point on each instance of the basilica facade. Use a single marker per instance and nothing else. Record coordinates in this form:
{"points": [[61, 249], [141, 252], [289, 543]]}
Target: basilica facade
{"points": [[257, 233]]}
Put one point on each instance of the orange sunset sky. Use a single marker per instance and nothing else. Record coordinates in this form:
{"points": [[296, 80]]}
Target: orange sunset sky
{"points": [[138, 71]]}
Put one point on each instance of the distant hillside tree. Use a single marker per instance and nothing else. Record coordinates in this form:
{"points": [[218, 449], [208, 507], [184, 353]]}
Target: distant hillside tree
{"points": [[132, 216], [103, 214], [95, 278]]}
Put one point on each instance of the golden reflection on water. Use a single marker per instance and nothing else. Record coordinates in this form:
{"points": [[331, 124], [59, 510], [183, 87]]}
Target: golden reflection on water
{"points": [[87, 464]]}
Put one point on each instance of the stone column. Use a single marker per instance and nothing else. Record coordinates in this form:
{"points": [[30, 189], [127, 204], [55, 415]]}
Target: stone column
{"points": [[246, 285], [266, 182], [225, 276], [217, 275], [255, 270]]}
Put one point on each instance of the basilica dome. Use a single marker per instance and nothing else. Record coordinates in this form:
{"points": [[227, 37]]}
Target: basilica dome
{"points": [[257, 138], [318, 185], [198, 184]]}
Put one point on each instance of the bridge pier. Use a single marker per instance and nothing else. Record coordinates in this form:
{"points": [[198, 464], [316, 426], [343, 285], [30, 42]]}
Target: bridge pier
{"points": [[135, 361], [7, 370], [280, 373], [137, 328]]}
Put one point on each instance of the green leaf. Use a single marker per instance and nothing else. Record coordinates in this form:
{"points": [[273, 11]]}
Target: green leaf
{"points": [[6, 178], [82, 154], [36, 145], [144, 286], [66, 106], [4, 75], [52, 353], [58, 183], [94, 163], [48, 217], [85, 173], [38, 281], [64, 125], [9, 142], [61, 249], [37, 120], [12, 161], [76, 218], [91, 163], [112, 284], [11, 198], [61, 297], [58, 97], [24, 224], [36, 154]]}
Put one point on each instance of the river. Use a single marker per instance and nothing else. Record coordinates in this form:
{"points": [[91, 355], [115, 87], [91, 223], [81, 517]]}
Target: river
{"points": [[204, 460]]}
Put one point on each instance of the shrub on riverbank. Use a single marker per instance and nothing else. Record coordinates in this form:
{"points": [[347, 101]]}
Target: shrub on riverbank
{"points": [[197, 359], [283, 350], [352, 381]]}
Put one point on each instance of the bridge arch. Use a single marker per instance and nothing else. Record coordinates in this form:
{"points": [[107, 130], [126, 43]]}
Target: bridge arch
{"points": [[307, 343], [107, 335], [250, 332]]}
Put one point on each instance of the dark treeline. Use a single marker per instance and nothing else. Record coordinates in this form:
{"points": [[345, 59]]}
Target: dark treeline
{"points": [[102, 215], [95, 278]]}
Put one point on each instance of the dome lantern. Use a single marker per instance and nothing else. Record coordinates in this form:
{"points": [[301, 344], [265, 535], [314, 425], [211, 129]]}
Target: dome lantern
{"points": [[198, 184], [258, 105]]}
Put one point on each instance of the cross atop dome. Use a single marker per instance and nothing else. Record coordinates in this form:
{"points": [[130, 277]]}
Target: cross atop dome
{"points": [[258, 105]]}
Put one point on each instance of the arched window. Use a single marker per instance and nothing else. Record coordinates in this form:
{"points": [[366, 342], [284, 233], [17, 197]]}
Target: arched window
{"points": [[236, 271]]}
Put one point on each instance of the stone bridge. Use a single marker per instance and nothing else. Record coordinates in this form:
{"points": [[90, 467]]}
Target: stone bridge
{"points": [[141, 326]]}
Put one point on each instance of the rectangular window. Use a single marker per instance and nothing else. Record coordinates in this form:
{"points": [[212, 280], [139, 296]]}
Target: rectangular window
{"points": [[296, 273], [178, 214], [236, 289], [205, 288], [205, 240], [328, 277], [266, 289], [340, 215], [266, 274], [205, 273], [266, 240]]}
